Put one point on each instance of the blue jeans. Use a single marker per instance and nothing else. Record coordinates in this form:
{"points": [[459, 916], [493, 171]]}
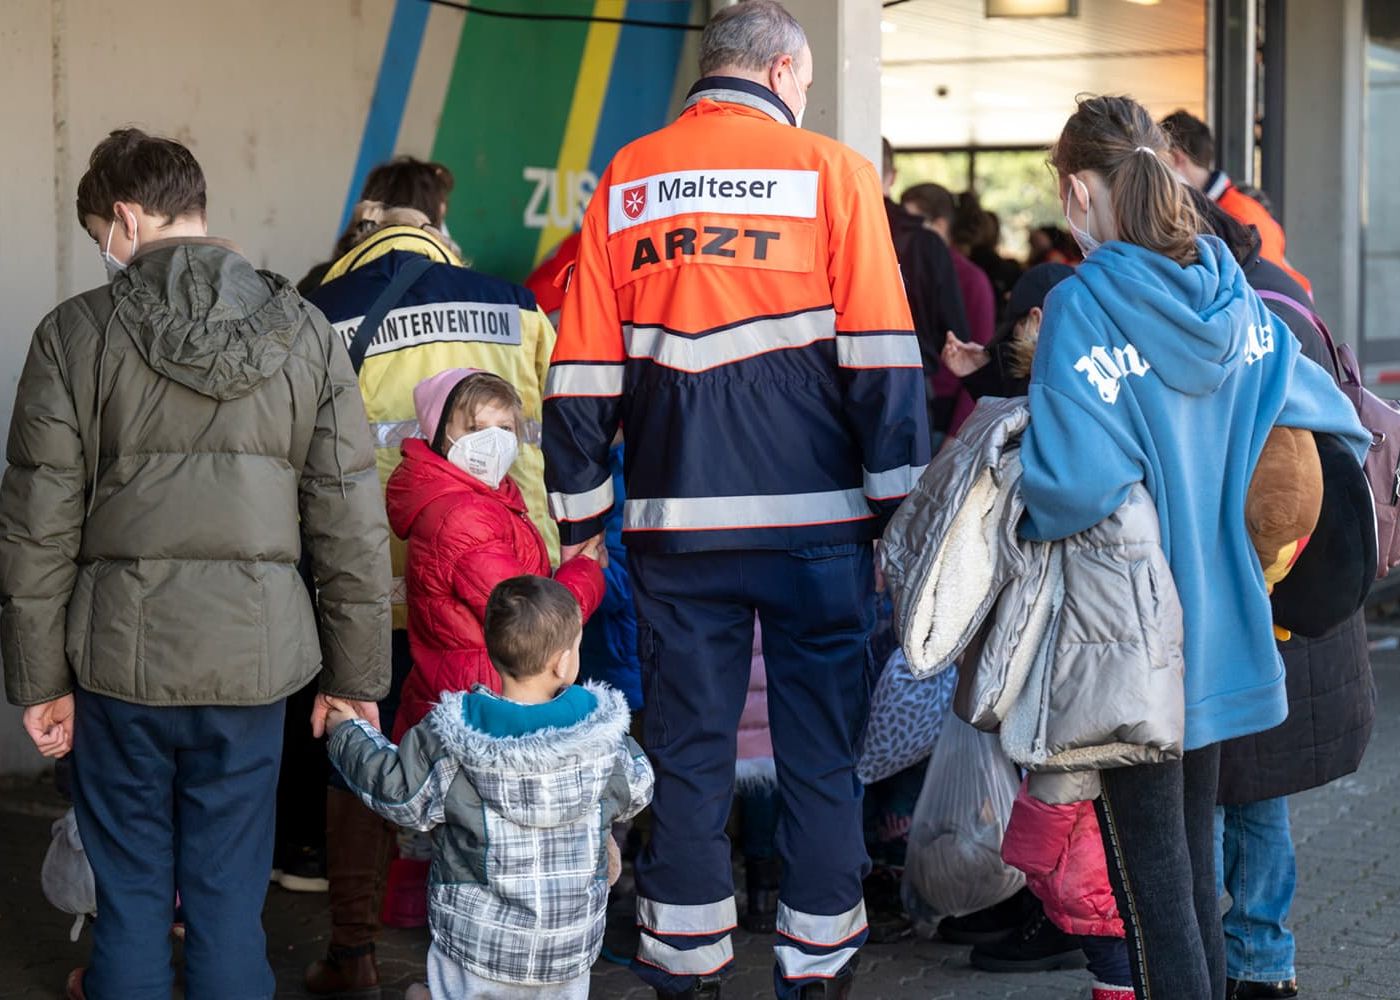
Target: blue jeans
{"points": [[177, 798], [1108, 960], [1257, 868]]}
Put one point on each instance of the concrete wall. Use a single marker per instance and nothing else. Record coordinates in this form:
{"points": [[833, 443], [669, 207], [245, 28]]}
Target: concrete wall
{"points": [[1323, 90], [270, 95], [844, 101]]}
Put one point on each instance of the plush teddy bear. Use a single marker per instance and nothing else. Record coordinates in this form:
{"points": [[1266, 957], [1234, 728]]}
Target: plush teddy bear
{"points": [[1283, 503]]}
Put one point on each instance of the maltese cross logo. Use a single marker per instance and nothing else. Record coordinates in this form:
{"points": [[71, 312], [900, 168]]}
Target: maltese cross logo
{"points": [[634, 202]]}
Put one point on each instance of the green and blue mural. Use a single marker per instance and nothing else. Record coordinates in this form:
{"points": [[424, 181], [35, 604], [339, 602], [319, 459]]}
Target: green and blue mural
{"points": [[532, 110]]}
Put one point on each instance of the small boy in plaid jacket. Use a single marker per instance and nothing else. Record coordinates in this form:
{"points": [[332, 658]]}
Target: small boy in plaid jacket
{"points": [[519, 791]]}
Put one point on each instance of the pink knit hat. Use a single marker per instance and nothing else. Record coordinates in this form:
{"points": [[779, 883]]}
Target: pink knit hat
{"points": [[430, 396]]}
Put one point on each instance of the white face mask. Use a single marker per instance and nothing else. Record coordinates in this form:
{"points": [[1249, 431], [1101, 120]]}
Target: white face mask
{"points": [[486, 455], [797, 113], [1087, 243], [115, 267]]}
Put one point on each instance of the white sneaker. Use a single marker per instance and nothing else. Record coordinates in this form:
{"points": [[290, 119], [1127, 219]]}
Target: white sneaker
{"points": [[417, 992]]}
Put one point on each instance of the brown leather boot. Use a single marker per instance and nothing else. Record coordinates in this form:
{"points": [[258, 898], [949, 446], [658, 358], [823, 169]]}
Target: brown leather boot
{"points": [[345, 974], [358, 847]]}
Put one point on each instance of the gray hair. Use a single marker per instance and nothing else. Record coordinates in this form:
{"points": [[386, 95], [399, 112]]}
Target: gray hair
{"points": [[750, 35]]}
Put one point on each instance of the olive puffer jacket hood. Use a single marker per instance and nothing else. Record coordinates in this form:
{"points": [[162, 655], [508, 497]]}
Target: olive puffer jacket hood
{"points": [[178, 436]]}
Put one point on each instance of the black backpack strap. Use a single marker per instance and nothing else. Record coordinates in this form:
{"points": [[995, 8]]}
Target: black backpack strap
{"points": [[369, 325]]}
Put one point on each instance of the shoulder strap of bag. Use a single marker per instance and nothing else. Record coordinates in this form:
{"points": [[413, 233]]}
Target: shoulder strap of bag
{"points": [[402, 281], [1338, 370]]}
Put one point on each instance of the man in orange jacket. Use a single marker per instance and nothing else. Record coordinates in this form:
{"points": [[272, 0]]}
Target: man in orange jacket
{"points": [[738, 307], [1193, 156]]}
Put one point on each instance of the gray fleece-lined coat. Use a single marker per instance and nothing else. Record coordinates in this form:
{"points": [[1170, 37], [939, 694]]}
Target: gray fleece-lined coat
{"points": [[518, 885], [1072, 649]]}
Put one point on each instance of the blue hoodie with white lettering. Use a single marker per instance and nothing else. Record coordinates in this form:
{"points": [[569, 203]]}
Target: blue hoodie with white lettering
{"points": [[1173, 376]]}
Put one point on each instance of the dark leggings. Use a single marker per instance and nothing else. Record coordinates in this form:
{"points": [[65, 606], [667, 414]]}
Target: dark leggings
{"points": [[1107, 960], [1158, 824]]}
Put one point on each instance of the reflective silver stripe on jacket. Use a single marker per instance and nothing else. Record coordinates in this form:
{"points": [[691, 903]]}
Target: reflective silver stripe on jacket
{"points": [[582, 506], [878, 350], [566, 379], [393, 433], [820, 930], [797, 964], [769, 511], [735, 343], [893, 482], [700, 961], [687, 920]]}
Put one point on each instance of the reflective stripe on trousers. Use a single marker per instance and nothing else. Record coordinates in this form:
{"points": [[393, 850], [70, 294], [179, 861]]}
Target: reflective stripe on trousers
{"points": [[815, 946], [687, 921], [704, 960], [684, 940]]}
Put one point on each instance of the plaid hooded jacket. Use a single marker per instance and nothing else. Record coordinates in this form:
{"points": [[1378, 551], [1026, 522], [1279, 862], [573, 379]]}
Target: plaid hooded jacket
{"points": [[518, 885]]}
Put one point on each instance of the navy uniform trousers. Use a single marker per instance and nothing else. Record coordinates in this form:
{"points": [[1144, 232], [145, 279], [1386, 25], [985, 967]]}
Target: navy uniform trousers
{"points": [[695, 636]]}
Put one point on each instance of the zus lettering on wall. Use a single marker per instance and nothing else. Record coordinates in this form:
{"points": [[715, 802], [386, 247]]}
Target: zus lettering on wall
{"points": [[1106, 369], [558, 199], [476, 322]]}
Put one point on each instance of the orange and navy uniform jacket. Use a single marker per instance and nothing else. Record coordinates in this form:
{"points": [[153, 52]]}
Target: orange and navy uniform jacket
{"points": [[1242, 208], [738, 309]]}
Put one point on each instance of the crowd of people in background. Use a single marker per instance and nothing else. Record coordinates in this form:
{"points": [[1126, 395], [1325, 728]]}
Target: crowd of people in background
{"points": [[575, 580]]}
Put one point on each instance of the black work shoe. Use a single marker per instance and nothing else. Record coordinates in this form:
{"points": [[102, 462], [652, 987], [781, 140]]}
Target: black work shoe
{"points": [[992, 924], [1038, 946], [705, 988], [761, 878], [1243, 989], [303, 869], [836, 988]]}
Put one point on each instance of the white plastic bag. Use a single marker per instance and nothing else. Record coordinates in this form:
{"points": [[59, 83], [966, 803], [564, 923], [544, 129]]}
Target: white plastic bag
{"points": [[954, 865], [66, 876]]}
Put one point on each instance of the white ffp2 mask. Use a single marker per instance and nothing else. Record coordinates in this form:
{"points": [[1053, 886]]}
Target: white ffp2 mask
{"points": [[486, 455], [1086, 240], [115, 267]]}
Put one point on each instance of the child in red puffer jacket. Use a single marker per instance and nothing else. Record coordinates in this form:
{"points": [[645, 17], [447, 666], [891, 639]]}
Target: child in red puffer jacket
{"points": [[1060, 850], [467, 529]]}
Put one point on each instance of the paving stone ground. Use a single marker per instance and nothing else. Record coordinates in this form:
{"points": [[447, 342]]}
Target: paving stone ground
{"points": [[1347, 914]]}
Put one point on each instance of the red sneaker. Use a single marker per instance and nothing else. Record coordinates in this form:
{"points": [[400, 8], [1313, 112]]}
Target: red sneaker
{"points": [[1102, 992]]}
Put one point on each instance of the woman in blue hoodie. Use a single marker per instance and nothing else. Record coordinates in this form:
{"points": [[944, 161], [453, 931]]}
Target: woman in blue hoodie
{"points": [[1158, 364]]}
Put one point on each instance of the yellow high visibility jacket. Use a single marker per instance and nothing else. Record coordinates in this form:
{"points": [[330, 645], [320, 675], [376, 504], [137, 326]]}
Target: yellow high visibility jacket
{"points": [[451, 317]]}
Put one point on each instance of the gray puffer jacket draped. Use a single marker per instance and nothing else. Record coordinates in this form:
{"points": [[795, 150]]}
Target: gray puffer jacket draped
{"points": [[1072, 649]]}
